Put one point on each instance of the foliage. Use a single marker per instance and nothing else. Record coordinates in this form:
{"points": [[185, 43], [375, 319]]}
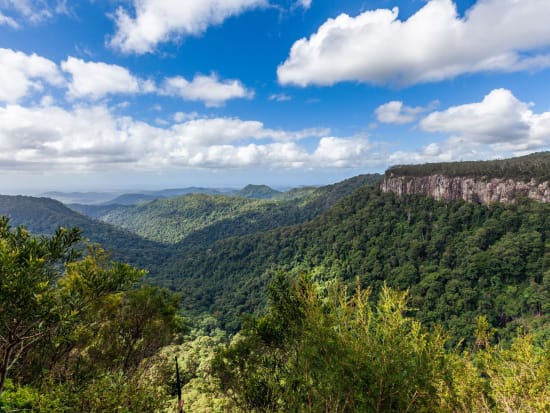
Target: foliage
{"points": [[460, 260], [201, 391], [534, 166], [74, 333], [32, 304], [320, 349], [333, 353]]}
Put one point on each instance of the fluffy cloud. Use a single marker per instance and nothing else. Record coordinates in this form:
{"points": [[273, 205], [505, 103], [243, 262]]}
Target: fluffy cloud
{"points": [[96, 79], [208, 89], [500, 120], [433, 44], [159, 21], [342, 152], [21, 73], [396, 112], [499, 126], [93, 139]]}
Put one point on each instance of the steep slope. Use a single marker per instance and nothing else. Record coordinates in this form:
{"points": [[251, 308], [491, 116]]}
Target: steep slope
{"points": [[459, 260], [45, 215], [485, 181]]}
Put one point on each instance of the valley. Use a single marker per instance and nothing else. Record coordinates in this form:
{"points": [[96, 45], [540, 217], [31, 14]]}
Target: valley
{"points": [[235, 258]]}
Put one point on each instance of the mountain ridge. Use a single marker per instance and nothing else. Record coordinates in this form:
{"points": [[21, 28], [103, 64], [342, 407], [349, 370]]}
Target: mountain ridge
{"points": [[503, 181]]}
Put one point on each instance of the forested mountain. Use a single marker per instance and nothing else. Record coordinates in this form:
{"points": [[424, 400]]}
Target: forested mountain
{"points": [[313, 280], [258, 192], [459, 260], [45, 215], [204, 218], [185, 219]]}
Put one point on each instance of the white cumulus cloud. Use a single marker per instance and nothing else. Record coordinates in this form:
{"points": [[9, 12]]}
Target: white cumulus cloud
{"points": [[92, 138], [208, 89], [22, 73], [342, 152], [500, 119], [499, 126], [433, 44], [97, 79], [153, 21]]}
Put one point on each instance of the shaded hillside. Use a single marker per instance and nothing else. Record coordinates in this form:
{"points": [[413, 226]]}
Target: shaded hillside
{"points": [[460, 260], [534, 166], [93, 211], [45, 215]]}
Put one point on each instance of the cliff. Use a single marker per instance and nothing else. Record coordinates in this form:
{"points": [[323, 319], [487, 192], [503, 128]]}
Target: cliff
{"points": [[481, 189]]}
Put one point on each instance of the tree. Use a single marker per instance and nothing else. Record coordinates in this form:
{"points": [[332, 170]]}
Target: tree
{"points": [[126, 328], [45, 290], [328, 351]]}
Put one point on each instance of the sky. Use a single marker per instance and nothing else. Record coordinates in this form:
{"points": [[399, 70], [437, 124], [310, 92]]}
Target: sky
{"points": [[116, 95]]}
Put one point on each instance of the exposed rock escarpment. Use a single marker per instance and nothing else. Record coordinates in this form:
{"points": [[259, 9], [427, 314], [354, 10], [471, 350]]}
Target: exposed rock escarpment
{"points": [[485, 190]]}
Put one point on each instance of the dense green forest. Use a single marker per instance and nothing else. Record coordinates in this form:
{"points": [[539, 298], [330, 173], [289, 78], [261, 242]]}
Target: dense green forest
{"points": [[204, 218], [78, 337], [533, 166], [43, 216], [336, 299], [459, 260]]}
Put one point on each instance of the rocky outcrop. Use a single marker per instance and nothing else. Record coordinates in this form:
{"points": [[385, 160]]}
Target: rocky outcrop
{"points": [[446, 188]]}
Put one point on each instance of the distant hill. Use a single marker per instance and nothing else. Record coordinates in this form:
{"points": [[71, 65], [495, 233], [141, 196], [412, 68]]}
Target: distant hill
{"points": [[258, 192], [45, 215], [146, 196], [118, 198], [204, 218], [132, 199]]}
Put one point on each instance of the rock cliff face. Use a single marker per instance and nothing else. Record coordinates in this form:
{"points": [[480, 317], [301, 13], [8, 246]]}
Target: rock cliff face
{"points": [[446, 188]]}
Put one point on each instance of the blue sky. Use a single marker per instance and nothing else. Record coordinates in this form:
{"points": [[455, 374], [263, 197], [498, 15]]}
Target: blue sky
{"points": [[128, 94]]}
